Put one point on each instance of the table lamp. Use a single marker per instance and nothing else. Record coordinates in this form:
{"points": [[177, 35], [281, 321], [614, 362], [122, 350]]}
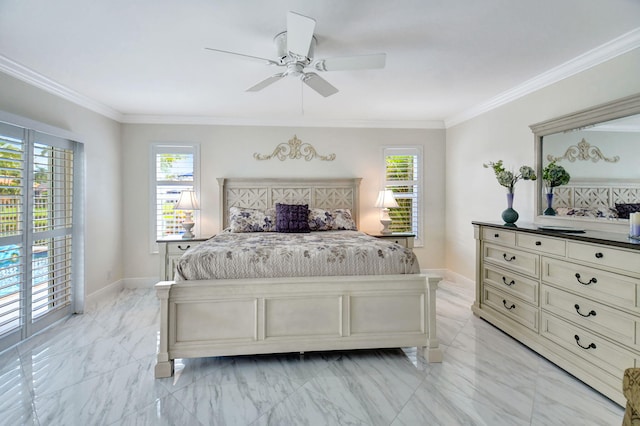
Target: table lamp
{"points": [[187, 203], [386, 200]]}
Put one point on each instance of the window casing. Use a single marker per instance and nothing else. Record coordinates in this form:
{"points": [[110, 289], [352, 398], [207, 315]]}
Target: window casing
{"points": [[402, 174], [174, 168]]}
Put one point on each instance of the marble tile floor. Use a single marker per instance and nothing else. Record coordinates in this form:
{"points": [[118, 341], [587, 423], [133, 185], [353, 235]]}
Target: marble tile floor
{"points": [[97, 369]]}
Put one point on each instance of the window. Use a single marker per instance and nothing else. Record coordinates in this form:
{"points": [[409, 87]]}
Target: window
{"points": [[38, 203], [402, 171], [174, 169]]}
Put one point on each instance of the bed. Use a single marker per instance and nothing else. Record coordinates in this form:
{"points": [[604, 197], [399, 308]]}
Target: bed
{"points": [[266, 313]]}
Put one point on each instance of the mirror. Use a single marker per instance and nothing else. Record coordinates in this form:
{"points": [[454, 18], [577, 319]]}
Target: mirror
{"points": [[600, 148]]}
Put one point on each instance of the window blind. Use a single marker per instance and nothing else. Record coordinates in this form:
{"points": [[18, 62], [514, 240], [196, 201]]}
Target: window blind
{"points": [[401, 175]]}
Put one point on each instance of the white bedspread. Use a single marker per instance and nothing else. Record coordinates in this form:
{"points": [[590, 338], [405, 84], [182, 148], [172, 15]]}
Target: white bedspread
{"points": [[272, 254]]}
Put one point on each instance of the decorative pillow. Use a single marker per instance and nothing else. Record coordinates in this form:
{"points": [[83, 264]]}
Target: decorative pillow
{"points": [[625, 209], [596, 212], [329, 220], [252, 220], [292, 217]]}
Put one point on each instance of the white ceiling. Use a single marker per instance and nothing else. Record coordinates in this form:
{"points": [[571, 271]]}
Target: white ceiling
{"points": [[144, 60]]}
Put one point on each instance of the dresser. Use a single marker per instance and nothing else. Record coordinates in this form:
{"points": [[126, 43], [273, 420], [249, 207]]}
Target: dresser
{"points": [[572, 297], [170, 250]]}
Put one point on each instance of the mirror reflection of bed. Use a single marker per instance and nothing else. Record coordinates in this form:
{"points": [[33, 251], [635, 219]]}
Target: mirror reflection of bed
{"points": [[600, 149], [314, 308]]}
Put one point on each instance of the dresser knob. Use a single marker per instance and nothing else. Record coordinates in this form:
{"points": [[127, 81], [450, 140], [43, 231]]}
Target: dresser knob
{"points": [[599, 255], [590, 346], [496, 235], [184, 249], [504, 302], [504, 255], [591, 281], [591, 313], [504, 280], [538, 243]]}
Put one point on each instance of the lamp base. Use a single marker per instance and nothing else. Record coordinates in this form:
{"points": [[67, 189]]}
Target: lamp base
{"points": [[385, 226], [187, 230]]}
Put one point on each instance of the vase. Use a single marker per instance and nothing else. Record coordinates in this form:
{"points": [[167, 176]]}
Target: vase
{"points": [[549, 211], [510, 215]]}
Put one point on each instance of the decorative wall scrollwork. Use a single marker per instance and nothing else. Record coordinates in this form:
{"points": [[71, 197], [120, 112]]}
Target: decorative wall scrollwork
{"points": [[583, 151], [295, 150]]}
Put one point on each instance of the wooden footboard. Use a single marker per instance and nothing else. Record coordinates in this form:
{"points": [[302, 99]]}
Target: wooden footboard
{"points": [[256, 316]]}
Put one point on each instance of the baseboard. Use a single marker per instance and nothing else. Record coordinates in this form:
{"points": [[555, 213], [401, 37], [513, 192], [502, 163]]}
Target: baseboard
{"points": [[439, 272], [106, 291], [460, 279], [145, 282]]}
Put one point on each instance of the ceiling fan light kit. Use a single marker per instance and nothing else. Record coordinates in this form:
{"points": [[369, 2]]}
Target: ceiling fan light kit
{"points": [[295, 49]]}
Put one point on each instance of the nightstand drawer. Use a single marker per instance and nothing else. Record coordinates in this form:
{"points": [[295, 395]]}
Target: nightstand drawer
{"points": [[180, 247], [405, 240]]}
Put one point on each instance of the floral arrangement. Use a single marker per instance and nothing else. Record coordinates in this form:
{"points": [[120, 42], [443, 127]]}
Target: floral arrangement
{"points": [[554, 175], [508, 178]]}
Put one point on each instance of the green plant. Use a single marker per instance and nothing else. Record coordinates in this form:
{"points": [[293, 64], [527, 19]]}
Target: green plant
{"points": [[508, 178], [554, 175]]}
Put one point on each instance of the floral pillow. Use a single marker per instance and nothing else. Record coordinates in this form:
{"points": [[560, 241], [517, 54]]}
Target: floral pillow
{"points": [[330, 220], [252, 220], [596, 212]]}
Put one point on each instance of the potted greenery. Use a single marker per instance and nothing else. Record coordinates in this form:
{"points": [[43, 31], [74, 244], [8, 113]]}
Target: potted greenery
{"points": [[508, 179], [553, 175]]}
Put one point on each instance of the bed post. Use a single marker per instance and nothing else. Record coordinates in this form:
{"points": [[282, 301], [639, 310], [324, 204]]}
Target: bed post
{"points": [[432, 351], [164, 365]]}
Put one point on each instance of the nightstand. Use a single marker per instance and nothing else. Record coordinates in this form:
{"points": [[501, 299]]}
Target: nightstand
{"points": [[171, 249], [405, 239]]}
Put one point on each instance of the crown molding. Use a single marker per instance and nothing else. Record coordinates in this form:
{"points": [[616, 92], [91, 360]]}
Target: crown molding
{"points": [[281, 122], [616, 47], [33, 78]]}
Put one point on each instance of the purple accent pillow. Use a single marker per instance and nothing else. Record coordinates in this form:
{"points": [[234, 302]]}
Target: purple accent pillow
{"points": [[292, 217], [625, 209]]}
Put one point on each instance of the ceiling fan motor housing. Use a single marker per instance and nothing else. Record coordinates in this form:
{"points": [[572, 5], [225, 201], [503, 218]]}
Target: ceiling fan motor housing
{"points": [[282, 52]]}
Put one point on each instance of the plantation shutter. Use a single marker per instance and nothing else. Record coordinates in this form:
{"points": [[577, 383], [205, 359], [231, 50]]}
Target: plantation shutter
{"points": [[402, 172], [37, 182], [174, 170]]}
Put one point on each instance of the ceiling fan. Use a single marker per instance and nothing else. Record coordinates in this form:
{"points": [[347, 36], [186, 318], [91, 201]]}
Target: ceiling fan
{"points": [[295, 50]]}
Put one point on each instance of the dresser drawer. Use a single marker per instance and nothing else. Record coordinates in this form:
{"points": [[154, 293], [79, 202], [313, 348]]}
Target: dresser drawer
{"points": [[609, 322], [511, 307], [541, 244], [621, 260], [499, 236], [180, 247], [513, 284], [605, 355], [514, 260], [618, 291]]}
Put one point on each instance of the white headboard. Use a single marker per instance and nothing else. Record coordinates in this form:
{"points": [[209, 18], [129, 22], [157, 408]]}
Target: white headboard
{"points": [[262, 193], [593, 193]]}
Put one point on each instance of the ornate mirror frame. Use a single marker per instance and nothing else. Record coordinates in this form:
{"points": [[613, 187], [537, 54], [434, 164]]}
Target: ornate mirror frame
{"points": [[620, 108]]}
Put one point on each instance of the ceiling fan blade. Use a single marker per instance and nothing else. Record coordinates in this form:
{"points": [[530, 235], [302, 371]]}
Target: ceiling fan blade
{"points": [[255, 58], [361, 62], [266, 82], [318, 84], [299, 33]]}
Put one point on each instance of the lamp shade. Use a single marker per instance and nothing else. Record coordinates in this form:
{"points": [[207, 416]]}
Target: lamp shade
{"points": [[187, 201], [386, 199]]}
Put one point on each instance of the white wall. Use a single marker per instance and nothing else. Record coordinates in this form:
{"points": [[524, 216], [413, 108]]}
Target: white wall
{"points": [[473, 192], [101, 138], [227, 151]]}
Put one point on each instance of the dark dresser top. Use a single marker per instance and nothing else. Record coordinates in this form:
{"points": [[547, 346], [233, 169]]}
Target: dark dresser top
{"points": [[588, 236]]}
